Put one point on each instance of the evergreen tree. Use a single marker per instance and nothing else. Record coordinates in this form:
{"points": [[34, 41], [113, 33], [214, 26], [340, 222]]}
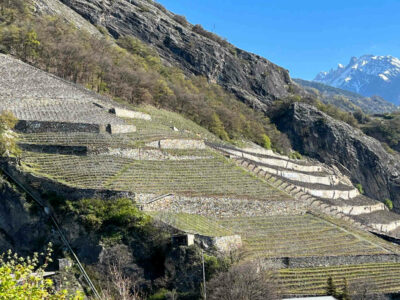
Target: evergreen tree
{"points": [[331, 288]]}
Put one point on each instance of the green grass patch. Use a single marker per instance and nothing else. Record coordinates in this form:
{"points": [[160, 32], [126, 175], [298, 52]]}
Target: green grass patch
{"points": [[191, 223]]}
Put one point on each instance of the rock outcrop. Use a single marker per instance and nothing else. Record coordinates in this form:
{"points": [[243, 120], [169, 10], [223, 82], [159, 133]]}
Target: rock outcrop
{"points": [[360, 157], [252, 78], [22, 226]]}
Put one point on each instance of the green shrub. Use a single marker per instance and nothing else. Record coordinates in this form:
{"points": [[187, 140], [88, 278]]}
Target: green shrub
{"points": [[266, 142], [295, 155], [160, 295], [8, 138], [360, 188], [217, 127], [214, 265], [388, 203], [97, 214]]}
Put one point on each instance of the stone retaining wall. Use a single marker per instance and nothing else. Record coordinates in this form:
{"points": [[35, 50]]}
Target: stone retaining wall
{"points": [[143, 154], [222, 206], [55, 149], [47, 126], [326, 261], [177, 144], [222, 243]]}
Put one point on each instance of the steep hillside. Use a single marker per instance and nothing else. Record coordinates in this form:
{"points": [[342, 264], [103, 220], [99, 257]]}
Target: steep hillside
{"points": [[367, 75], [102, 169], [250, 77], [346, 100], [126, 69], [147, 190], [361, 157]]}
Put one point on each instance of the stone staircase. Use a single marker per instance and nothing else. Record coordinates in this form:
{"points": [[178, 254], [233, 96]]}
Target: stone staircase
{"points": [[324, 188]]}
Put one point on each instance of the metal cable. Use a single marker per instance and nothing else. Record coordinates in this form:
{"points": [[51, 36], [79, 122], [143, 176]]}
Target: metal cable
{"points": [[53, 219]]}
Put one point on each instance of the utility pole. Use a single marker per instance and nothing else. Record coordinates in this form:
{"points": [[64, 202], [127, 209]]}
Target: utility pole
{"points": [[204, 276]]}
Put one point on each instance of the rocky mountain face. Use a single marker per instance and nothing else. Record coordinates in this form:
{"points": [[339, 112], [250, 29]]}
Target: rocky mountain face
{"points": [[360, 157], [367, 75], [255, 80], [346, 100], [20, 226]]}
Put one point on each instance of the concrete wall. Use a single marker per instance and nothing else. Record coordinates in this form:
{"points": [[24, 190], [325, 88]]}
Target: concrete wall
{"points": [[359, 209], [301, 177], [125, 113], [290, 165], [332, 194], [118, 128], [386, 227]]}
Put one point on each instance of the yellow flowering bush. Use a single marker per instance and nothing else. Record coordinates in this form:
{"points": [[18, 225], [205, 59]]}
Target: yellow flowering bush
{"points": [[23, 279]]}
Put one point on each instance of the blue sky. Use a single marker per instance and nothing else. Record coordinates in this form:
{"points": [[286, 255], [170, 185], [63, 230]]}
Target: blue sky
{"points": [[304, 37]]}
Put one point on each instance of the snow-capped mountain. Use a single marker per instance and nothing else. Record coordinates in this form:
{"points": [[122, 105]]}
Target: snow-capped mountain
{"points": [[367, 75]]}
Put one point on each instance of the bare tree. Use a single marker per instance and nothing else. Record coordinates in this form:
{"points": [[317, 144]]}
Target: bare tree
{"points": [[119, 285], [364, 290], [243, 282]]}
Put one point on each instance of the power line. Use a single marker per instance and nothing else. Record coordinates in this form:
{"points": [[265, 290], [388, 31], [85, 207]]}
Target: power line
{"points": [[53, 219]]}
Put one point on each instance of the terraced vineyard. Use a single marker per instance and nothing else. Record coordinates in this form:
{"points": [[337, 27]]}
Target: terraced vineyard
{"points": [[77, 139], [298, 236], [76, 171], [213, 176], [195, 224], [375, 277]]}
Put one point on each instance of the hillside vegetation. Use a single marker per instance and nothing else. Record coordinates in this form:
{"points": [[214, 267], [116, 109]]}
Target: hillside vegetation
{"points": [[127, 69], [385, 128], [346, 100]]}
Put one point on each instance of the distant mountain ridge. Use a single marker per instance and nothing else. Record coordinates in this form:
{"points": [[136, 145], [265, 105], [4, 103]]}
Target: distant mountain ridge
{"points": [[347, 100], [367, 75]]}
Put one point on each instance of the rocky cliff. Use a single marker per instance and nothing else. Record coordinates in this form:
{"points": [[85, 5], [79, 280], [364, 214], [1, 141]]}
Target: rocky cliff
{"points": [[22, 226], [254, 79], [336, 143]]}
